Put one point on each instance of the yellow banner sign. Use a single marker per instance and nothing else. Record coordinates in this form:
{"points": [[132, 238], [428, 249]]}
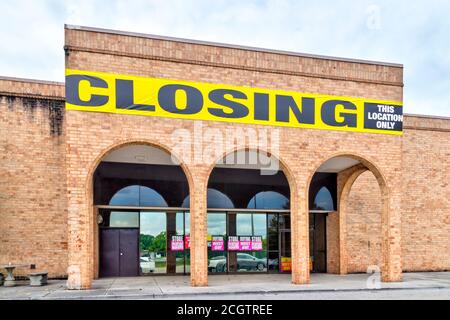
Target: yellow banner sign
{"points": [[124, 94]]}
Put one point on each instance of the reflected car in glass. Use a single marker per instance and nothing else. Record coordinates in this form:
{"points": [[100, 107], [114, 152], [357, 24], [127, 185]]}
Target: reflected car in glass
{"points": [[217, 264], [249, 262], [147, 265], [244, 261]]}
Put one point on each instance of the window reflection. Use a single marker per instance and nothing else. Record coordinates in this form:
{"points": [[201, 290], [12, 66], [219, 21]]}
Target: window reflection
{"points": [[137, 196], [119, 219], [128, 196], [182, 257], [217, 226], [323, 200], [153, 242], [269, 200], [215, 199], [250, 224], [187, 250]]}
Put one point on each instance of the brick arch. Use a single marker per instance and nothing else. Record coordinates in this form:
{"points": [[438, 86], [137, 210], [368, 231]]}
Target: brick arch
{"points": [[389, 272], [123, 143], [93, 267], [344, 196], [283, 167], [283, 164], [367, 162]]}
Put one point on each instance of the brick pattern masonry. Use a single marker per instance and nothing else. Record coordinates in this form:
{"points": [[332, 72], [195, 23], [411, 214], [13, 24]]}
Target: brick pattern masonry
{"points": [[396, 216]]}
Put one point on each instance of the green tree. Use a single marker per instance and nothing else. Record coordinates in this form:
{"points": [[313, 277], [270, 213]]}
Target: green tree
{"points": [[145, 241], [159, 243]]}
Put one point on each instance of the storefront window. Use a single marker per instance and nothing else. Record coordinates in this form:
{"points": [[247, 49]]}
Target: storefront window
{"points": [[153, 242], [253, 257], [182, 257], [217, 231], [187, 235]]}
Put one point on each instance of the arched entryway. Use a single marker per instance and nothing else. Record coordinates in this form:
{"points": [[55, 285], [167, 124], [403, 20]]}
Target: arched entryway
{"points": [[329, 201], [141, 216], [248, 214]]}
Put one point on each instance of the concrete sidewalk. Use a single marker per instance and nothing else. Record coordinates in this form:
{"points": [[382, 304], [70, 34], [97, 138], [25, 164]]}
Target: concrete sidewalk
{"points": [[167, 287]]}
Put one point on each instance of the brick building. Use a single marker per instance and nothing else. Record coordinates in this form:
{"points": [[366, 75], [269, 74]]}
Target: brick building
{"points": [[91, 194]]}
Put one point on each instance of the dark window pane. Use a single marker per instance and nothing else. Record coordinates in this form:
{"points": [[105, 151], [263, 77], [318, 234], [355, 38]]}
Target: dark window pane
{"points": [[150, 198], [268, 200], [273, 263], [272, 222], [285, 221], [137, 196], [215, 200], [128, 196], [273, 240], [323, 200]]}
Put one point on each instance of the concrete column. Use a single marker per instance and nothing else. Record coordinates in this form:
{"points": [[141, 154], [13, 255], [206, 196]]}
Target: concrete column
{"points": [[199, 247], [300, 237]]}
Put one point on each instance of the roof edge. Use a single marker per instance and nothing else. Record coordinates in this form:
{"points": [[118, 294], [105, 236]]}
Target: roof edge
{"points": [[230, 46], [427, 116], [15, 79]]}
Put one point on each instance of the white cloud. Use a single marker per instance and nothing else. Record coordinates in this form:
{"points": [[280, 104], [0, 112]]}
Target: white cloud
{"points": [[414, 33]]}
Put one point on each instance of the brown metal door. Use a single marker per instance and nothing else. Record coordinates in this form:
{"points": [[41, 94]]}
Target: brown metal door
{"points": [[119, 252], [109, 253], [318, 242], [129, 255]]}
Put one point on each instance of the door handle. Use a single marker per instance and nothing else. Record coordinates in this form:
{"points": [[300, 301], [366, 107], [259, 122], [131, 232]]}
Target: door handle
{"points": [[121, 253]]}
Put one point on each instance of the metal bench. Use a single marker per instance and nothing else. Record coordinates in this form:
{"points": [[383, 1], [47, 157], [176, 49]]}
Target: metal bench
{"points": [[38, 279]]}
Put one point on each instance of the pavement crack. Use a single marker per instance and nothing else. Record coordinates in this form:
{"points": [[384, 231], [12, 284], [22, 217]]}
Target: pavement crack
{"points": [[108, 289]]}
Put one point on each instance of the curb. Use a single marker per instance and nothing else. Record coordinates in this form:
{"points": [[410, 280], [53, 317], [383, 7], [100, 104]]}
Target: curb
{"points": [[173, 295]]}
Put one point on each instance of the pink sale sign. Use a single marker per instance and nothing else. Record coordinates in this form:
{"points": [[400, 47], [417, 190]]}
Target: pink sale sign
{"points": [[177, 243], [217, 243], [257, 244], [233, 243], [246, 243]]}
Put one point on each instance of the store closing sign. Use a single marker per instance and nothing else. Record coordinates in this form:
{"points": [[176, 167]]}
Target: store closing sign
{"points": [[113, 93]]}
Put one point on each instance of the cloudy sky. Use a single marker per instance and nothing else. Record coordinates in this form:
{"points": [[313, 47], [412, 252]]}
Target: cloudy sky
{"points": [[414, 33]]}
